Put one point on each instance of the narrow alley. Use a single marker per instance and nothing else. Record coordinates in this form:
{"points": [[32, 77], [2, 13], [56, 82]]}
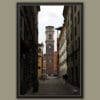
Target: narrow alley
{"points": [[49, 50]]}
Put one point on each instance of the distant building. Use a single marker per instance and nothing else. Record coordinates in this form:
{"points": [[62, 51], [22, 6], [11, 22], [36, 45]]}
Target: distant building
{"points": [[28, 48], [50, 49], [40, 60], [44, 67], [55, 63]]}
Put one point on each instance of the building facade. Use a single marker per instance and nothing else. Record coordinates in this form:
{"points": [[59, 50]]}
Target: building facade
{"points": [[28, 48], [55, 63], [40, 60], [62, 51], [72, 17], [49, 49]]}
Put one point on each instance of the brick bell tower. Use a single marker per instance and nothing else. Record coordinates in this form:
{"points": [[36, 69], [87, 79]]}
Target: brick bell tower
{"points": [[49, 49]]}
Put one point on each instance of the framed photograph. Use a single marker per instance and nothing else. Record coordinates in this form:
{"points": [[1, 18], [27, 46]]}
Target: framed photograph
{"points": [[49, 50]]}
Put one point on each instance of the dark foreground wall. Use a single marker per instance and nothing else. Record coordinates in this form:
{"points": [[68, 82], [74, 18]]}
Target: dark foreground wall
{"points": [[28, 34]]}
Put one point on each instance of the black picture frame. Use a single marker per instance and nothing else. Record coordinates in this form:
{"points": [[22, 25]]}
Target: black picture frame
{"points": [[18, 47]]}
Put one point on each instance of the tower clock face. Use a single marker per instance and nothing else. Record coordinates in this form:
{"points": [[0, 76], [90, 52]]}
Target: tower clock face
{"points": [[50, 47]]}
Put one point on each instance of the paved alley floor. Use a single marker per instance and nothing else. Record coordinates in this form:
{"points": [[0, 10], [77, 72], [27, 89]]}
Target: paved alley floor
{"points": [[54, 86]]}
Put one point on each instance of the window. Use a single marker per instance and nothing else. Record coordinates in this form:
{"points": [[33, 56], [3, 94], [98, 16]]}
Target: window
{"points": [[38, 67], [78, 17], [71, 34], [75, 29], [22, 27], [75, 8], [50, 36], [75, 56], [78, 42], [71, 13]]}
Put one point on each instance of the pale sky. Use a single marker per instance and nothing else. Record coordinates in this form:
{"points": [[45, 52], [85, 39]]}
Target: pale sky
{"points": [[49, 15]]}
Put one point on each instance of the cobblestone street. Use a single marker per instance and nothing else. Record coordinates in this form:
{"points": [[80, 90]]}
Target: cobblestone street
{"points": [[54, 86]]}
